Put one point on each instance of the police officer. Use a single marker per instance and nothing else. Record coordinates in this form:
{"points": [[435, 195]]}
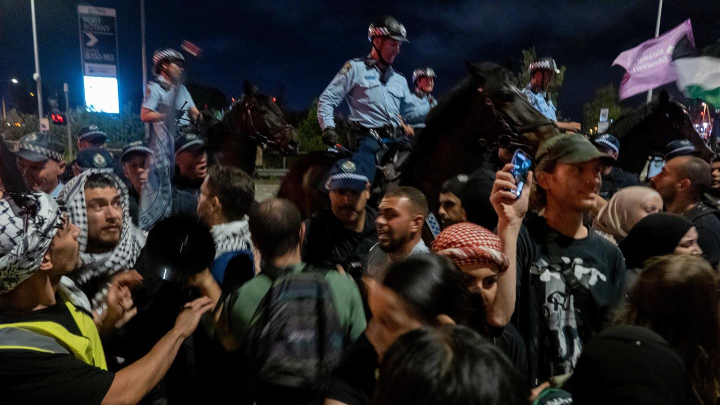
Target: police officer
{"points": [[375, 93], [422, 100], [168, 65], [40, 160], [542, 72], [613, 177]]}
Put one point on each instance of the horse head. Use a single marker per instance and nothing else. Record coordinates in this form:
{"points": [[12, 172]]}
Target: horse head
{"points": [[647, 130], [514, 122], [257, 116]]}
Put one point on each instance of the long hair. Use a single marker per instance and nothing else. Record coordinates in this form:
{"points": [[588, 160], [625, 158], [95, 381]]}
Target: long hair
{"points": [[448, 365], [677, 297], [431, 285]]}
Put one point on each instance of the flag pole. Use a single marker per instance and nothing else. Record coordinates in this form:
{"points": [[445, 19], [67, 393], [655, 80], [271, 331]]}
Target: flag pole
{"points": [[657, 34]]}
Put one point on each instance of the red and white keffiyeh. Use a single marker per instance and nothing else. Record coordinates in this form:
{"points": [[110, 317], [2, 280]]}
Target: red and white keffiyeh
{"points": [[468, 243]]}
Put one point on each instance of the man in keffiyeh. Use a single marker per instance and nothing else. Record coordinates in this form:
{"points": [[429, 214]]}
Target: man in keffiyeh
{"points": [[226, 196], [97, 203]]}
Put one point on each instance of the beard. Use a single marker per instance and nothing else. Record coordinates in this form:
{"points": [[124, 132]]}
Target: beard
{"points": [[393, 244]]}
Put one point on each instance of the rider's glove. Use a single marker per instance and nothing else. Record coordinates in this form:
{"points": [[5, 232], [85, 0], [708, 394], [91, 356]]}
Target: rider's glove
{"points": [[330, 137]]}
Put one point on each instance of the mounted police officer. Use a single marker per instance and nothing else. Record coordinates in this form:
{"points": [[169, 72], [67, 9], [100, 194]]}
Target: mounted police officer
{"points": [[422, 100], [168, 66], [542, 72], [375, 93]]}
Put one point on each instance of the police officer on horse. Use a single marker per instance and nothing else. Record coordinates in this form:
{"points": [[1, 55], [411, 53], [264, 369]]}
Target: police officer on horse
{"points": [[542, 72], [168, 66], [376, 94], [422, 100]]}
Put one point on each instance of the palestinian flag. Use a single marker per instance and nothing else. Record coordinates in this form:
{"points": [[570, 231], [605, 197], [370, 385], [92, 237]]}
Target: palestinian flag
{"points": [[698, 72]]}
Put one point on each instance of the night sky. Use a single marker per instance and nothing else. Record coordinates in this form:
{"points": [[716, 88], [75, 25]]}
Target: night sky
{"points": [[302, 44]]}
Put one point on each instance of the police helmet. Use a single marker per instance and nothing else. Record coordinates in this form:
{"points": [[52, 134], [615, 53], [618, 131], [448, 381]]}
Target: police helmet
{"points": [[423, 72], [388, 27], [165, 55], [545, 63]]}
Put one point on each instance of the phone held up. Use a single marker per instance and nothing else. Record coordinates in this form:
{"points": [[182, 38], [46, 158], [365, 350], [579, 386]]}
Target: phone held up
{"points": [[522, 163]]}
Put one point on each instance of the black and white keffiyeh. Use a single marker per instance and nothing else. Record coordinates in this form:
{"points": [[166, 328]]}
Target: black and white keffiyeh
{"points": [[21, 252], [231, 237], [100, 265]]}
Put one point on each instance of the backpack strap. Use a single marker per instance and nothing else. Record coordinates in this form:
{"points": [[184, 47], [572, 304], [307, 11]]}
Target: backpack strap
{"points": [[572, 284]]}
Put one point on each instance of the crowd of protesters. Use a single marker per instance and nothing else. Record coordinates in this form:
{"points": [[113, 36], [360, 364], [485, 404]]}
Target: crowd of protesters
{"points": [[587, 287]]}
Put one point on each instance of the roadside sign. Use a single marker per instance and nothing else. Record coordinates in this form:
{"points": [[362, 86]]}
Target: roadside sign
{"points": [[44, 124], [604, 112], [99, 57]]}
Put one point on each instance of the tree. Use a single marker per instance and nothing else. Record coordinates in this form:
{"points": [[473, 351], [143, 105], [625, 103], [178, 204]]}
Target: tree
{"points": [[605, 97], [528, 56], [309, 132]]}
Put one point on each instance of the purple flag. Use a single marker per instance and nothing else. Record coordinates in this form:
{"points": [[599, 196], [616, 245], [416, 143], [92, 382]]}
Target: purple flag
{"points": [[648, 65]]}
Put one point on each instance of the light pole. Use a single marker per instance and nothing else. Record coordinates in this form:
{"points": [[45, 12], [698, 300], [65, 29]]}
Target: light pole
{"points": [[36, 76], [67, 117], [657, 34]]}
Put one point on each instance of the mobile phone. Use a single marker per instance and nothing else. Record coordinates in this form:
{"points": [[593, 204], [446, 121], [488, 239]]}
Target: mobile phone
{"points": [[522, 162]]}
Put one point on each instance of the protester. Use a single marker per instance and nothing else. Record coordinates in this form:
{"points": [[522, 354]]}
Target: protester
{"points": [[191, 161], [343, 235], [656, 235], [569, 277], [677, 297], [448, 365], [401, 218], [225, 200], [421, 291], [451, 210], [712, 196], [625, 208], [475, 196], [613, 177], [630, 365], [50, 351], [682, 183], [479, 254], [40, 160], [97, 203], [288, 373]]}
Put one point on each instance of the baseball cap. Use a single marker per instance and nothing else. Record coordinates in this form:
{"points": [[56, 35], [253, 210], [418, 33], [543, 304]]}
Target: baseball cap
{"points": [[607, 141], [135, 147], [567, 149], [189, 142], [92, 133], [39, 147], [346, 174], [454, 184], [681, 147]]}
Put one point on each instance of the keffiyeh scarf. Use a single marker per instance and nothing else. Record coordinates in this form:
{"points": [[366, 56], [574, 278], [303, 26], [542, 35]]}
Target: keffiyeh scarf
{"points": [[100, 265], [21, 252], [467, 243], [231, 237]]}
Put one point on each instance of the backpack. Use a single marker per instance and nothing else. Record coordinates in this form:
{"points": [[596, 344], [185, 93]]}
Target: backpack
{"points": [[295, 339]]}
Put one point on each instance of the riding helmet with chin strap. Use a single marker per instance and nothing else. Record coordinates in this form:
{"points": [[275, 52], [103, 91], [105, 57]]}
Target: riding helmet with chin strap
{"points": [[422, 72], [544, 63], [386, 27], [165, 55]]}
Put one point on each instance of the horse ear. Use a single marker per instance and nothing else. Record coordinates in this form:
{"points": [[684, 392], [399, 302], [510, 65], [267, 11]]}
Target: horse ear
{"points": [[664, 97], [476, 73], [249, 89]]}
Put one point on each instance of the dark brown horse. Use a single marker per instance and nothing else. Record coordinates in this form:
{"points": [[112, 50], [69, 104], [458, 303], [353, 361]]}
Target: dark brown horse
{"points": [[253, 121], [478, 115], [644, 132]]}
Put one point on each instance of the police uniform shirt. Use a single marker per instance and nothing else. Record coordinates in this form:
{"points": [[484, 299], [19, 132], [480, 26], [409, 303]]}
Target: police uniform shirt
{"points": [[159, 95], [541, 103], [374, 103], [418, 109]]}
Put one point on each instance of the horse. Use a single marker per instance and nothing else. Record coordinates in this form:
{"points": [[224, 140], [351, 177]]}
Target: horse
{"points": [[644, 132], [481, 114], [253, 121]]}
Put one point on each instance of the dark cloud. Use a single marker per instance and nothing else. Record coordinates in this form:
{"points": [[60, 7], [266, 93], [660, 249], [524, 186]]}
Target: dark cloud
{"points": [[302, 44]]}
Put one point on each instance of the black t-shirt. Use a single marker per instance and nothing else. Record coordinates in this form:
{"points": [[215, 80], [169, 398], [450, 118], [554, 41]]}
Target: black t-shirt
{"points": [[545, 312], [28, 377], [328, 243], [354, 381]]}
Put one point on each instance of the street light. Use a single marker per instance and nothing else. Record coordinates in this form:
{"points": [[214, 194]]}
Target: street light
{"points": [[14, 80]]}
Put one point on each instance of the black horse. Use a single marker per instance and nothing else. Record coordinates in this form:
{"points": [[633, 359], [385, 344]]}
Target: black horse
{"points": [[252, 122], [482, 113], [644, 132]]}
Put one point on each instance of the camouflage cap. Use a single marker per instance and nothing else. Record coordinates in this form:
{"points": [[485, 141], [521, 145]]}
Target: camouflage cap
{"points": [[567, 149]]}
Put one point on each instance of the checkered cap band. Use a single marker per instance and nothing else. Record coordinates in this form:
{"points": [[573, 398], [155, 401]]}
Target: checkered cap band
{"points": [[197, 141], [51, 154], [607, 143], [137, 148], [543, 64], [346, 176], [91, 134], [467, 243]]}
